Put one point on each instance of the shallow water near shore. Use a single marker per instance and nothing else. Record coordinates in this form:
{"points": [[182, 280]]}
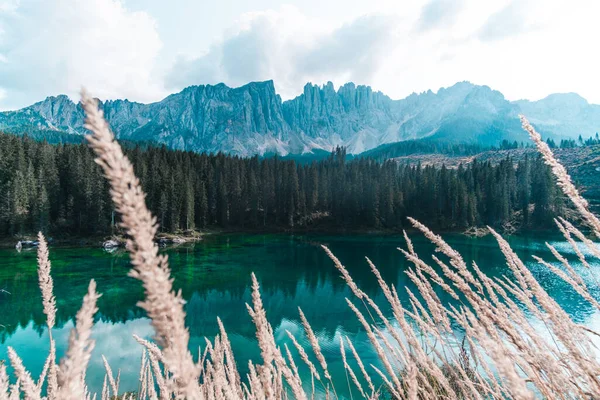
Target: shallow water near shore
{"points": [[214, 276]]}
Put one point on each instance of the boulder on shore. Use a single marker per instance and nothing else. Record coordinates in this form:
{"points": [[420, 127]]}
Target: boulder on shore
{"points": [[26, 244], [163, 241], [111, 244]]}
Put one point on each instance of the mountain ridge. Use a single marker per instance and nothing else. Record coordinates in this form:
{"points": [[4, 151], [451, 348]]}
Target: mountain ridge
{"points": [[253, 119]]}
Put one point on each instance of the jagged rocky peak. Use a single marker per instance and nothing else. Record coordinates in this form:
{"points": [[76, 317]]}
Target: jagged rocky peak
{"points": [[361, 97], [349, 95], [314, 100], [197, 94], [462, 86], [484, 98], [457, 91], [59, 113], [59, 99], [261, 92], [54, 105], [318, 101]]}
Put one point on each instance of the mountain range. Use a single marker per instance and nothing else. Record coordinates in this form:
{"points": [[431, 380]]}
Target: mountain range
{"points": [[252, 119]]}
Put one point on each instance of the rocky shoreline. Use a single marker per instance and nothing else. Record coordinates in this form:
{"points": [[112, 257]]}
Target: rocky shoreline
{"points": [[119, 241], [110, 243]]}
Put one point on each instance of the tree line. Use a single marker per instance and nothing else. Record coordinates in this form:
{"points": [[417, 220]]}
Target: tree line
{"points": [[58, 189], [432, 146], [571, 143]]}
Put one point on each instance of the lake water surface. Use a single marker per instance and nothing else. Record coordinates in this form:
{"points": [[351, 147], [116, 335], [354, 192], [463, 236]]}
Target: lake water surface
{"points": [[214, 276]]}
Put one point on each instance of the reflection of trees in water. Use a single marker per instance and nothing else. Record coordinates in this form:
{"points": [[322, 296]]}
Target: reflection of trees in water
{"points": [[214, 279], [215, 276]]}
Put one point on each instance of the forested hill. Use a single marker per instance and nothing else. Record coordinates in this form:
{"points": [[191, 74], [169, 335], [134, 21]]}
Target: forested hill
{"points": [[60, 190], [582, 161]]}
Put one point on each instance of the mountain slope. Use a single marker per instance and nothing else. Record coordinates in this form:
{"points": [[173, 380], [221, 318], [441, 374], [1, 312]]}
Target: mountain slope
{"points": [[566, 115], [252, 119]]}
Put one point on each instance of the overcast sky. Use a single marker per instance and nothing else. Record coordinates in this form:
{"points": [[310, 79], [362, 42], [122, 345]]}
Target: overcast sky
{"points": [[145, 49]]}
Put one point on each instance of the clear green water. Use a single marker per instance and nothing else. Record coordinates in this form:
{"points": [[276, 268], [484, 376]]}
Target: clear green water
{"points": [[214, 276]]}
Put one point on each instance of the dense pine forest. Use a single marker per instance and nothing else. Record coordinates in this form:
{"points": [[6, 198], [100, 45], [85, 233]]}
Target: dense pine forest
{"points": [[60, 190]]}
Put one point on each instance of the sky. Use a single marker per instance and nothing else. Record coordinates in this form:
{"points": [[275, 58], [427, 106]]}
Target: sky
{"points": [[144, 50]]}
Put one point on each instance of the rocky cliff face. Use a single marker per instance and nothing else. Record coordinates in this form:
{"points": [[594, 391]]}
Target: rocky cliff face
{"points": [[354, 116], [252, 119], [243, 121]]}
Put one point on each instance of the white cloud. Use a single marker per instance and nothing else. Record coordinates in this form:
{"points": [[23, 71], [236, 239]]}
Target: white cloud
{"points": [[549, 49], [527, 48], [438, 14], [513, 19], [400, 49], [355, 50], [291, 49], [53, 47]]}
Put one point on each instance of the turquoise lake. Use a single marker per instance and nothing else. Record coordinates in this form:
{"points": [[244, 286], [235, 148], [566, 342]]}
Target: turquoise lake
{"points": [[214, 276]]}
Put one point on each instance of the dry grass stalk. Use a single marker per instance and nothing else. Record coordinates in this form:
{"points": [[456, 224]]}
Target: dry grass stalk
{"points": [[345, 275], [274, 367], [15, 391], [4, 383], [42, 377], [231, 368], [378, 348], [143, 379], [163, 305], [46, 283], [361, 366], [149, 384], [111, 380], [314, 343], [74, 363], [105, 390], [562, 177], [30, 389], [49, 303], [304, 356], [350, 371]]}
